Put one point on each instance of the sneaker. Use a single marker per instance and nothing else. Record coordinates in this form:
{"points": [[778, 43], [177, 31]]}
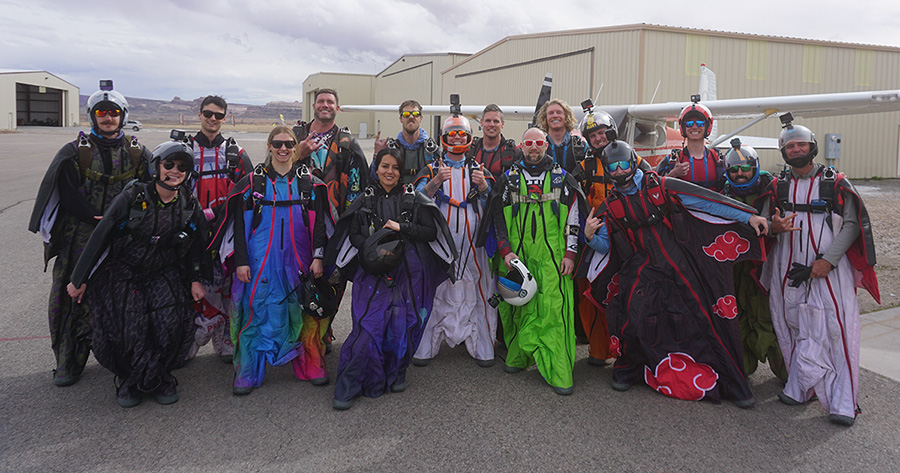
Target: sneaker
{"points": [[342, 405], [421, 361], [166, 400], [787, 399], [319, 381], [128, 397], [166, 394], [241, 390], [838, 419], [745, 403], [596, 361], [485, 363], [63, 381], [563, 391], [512, 369], [621, 387], [398, 387]]}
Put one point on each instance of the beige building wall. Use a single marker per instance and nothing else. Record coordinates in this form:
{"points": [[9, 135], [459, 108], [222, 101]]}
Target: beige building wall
{"points": [[351, 89], [9, 79]]}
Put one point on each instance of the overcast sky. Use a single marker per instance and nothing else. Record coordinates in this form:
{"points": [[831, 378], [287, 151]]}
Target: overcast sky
{"points": [[258, 51]]}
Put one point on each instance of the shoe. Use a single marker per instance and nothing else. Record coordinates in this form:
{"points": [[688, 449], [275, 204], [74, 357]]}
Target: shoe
{"points": [[398, 387], [485, 363], [227, 359], [512, 369], [838, 419], [319, 381], [596, 361], [563, 391], [327, 347], [63, 381], [421, 361], [621, 387], [166, 400], [128, 397], [342, 405], [745, 403], [241, 390], [166, 393], [787, 399]]}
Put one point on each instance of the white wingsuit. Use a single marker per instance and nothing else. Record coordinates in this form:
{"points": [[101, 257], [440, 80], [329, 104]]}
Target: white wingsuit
{"points": [[461, 311]]}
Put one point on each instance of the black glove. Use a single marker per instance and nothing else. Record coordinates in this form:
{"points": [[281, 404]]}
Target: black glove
{"points": [[799, 274]]}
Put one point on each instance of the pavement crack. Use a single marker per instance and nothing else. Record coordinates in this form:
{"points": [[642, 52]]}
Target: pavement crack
{"points": [[4, 209]]}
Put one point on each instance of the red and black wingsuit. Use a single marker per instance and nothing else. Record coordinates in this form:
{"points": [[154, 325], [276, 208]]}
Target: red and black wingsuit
{"points": [[667, 287]]}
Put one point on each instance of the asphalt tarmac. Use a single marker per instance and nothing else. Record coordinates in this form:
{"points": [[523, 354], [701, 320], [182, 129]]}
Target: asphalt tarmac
{"points": [[454, 416]]}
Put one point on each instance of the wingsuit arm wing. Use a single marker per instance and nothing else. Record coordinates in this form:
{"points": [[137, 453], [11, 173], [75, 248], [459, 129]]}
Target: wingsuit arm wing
{"points": [[100, 237]]}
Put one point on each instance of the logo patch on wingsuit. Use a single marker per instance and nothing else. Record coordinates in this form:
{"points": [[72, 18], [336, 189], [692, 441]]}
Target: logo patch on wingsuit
{"points": [[612, 289], [534, 191], [726, 307], [615, 349], [679, 376], [727, 247]]}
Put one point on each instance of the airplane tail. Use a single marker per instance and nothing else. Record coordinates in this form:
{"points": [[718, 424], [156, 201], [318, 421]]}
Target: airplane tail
{"points": [[708, 92], [543, 97]]}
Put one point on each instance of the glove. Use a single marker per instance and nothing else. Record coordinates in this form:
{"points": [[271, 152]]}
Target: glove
{"points": [[799, 274]]}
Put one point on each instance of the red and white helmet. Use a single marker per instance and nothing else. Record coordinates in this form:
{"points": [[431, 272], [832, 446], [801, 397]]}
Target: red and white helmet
{"points": [[456, 123], [694, 109]]}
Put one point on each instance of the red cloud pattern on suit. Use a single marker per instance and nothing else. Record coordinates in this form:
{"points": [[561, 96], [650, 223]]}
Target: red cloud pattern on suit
{"points": [[612, 289], [679, 376], [727, 246], [615, 349], [726, 307]]}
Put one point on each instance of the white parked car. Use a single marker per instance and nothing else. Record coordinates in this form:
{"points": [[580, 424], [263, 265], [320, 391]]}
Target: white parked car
{"points": [[134, 125]]}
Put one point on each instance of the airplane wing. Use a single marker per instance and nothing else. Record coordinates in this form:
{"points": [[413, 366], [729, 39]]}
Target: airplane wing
{"points": [[807, 106]]}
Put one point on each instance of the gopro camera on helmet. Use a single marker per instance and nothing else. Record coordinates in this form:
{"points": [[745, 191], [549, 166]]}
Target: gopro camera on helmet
{"points": [[106, 84], [786, 119], [178, 135], [587, 106], [695, 98], [454, 104], [735, 143]]}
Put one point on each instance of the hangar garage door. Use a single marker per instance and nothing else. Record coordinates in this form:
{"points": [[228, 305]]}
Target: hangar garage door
{"points": [[38, 106]]}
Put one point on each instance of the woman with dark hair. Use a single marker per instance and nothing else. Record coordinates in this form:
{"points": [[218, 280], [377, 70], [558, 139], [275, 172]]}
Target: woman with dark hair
{"points": [[276, 217], [149, 253], [396, 246]]}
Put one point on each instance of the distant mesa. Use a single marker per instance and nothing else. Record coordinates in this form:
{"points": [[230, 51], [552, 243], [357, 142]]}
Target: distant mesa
{"points": [[150, 111]]}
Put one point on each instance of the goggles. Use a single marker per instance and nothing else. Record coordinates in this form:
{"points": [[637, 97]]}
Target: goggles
{"points": [[455, 133], [741, 167], [277, 144], [626, 165], [537, 143], [690, 123], [210, 114], [103, 113], [415, 114], [182, 167]]}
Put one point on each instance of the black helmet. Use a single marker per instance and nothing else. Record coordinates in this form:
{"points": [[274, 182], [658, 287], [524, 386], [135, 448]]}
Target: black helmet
{"points": [[107, 99], [171, 151], [791, 133], [596, 121], [617, 151], [318, 296], [382, 252], [740, 155]]}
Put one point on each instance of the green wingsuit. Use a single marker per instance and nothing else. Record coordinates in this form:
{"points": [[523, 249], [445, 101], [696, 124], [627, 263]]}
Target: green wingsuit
{"points": [[534, 227]]}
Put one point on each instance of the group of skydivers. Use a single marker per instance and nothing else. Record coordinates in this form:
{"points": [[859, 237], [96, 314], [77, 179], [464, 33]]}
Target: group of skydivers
{"points": [[688, 275]]}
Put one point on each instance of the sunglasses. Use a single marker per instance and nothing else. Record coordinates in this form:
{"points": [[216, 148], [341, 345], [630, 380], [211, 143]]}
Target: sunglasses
{"points": [[741, 167], [690, 123], [533, 142], [626, 165], [415, 114], [454, 133], [182, 167], [210, 114], [103, 113], [277, 144]]}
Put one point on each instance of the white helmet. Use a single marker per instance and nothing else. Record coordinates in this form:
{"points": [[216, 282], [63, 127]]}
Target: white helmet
{"points": [[518, 286]]}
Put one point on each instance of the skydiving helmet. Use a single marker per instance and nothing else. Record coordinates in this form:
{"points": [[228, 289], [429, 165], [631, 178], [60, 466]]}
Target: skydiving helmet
{"points": [[317, 296], [107, 99], [176, 152], [697, 111], [791, 133], [457, 124], [742, 155], [382, 252], [518, 286], [615, 154], [596, 121]]}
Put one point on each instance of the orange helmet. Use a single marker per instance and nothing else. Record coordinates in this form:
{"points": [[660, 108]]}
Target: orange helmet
{"points": [[458, 124], [695, 109]]}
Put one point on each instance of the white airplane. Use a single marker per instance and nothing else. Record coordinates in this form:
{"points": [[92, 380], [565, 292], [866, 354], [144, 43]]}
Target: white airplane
{"points": [[645, 126]]}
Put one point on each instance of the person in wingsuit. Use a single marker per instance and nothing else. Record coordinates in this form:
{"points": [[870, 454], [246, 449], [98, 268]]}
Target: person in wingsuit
{"points": [[662, 251], [396, 244], [151, 249], [276, 215]]}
